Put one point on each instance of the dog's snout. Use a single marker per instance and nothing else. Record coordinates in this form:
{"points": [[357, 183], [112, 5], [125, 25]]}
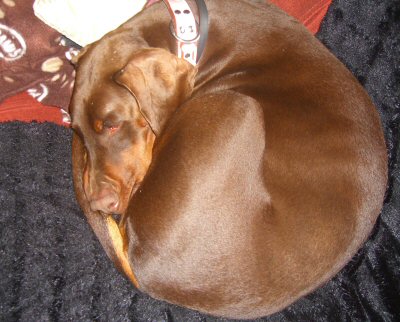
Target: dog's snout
{"points": [[106, 201]]}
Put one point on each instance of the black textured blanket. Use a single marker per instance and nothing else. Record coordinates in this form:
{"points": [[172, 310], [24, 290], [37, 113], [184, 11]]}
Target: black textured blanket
{"points": [[52, 268]]}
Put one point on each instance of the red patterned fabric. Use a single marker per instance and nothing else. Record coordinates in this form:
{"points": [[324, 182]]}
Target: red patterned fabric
{"points": [[23, 107]]}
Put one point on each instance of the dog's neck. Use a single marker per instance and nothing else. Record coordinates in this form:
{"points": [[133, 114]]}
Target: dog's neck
{"points": [[185, 29]]}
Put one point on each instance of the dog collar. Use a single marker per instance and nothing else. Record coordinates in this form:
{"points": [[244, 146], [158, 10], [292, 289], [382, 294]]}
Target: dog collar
{"points": [[189, 35]]}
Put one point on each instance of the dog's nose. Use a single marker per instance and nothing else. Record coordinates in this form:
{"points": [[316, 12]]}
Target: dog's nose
{"points": [[106, 201]]}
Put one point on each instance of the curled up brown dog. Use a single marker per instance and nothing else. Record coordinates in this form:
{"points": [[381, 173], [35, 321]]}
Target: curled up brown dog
{"points": [[242, 183]]}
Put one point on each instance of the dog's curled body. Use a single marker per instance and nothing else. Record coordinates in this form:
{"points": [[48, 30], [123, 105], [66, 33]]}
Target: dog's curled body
{"points": [[251, 179]]}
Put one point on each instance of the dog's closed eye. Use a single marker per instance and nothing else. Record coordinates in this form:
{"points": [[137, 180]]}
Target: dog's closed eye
{"points": [[111, 126], [101, 126]]}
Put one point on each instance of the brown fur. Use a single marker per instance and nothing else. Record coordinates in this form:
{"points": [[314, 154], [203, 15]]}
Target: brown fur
{"points": [[244, 183]]}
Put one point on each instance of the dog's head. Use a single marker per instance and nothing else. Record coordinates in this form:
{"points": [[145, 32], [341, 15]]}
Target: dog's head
{"points": [[117, 114]]}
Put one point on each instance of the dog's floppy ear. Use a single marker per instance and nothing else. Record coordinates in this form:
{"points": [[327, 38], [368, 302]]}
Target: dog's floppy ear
{"points": [[159, 81]]}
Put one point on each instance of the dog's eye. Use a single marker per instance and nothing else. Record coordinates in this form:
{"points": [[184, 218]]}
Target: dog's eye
{"points": [[111, 127], [106, 126]]}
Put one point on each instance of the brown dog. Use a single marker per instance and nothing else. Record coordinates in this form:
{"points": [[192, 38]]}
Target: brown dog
{"points": [[242, 184]]}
